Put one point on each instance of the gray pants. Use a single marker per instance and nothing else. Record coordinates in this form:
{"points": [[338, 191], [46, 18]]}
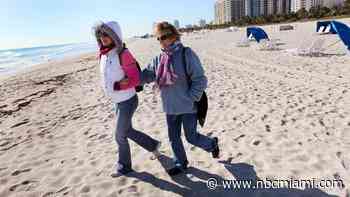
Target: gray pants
{"points": [[125, 131]]}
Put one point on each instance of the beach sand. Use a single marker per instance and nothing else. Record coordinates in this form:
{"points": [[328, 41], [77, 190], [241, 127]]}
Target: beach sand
{"points": [[278, 116]]}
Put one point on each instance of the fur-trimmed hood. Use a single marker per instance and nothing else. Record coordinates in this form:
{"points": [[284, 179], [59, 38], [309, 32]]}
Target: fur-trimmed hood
{"points": [[112, 28]]}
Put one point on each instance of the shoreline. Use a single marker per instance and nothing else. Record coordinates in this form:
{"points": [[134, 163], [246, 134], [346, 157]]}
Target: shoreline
{"points": [[35, 67], [65, 57]]}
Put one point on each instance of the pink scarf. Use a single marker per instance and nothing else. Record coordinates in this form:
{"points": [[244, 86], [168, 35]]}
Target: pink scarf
{"points": [[104, 51], [165, 74]]}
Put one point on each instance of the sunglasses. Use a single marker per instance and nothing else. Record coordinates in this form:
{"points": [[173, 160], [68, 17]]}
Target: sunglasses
{"points": [[102, 34], [164, 37]]}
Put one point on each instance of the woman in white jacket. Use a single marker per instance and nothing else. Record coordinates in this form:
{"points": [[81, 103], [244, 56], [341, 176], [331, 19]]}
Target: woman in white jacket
{"points": [[120, 76]]}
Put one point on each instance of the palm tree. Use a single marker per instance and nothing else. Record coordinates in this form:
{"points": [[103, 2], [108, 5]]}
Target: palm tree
{"points": [[302, 13]]}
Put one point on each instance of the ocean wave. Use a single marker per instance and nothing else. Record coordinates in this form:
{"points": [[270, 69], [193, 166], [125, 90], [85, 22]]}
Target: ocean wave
{"points": [[14, 58]]}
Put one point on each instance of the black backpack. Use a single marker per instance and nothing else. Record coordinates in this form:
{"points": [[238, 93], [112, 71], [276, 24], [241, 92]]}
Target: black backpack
{"points": [[202, 104], [138, 88]]}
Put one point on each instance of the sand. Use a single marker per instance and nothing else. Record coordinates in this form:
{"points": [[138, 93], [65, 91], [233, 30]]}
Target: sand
{"points": [[278, 116]]}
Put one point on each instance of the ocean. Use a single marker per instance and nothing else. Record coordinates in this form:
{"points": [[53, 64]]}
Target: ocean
{"points": [[12, 60]]}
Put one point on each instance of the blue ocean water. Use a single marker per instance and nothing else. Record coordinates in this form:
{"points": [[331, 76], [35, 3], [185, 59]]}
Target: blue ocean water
{"points": [[15, 59]]}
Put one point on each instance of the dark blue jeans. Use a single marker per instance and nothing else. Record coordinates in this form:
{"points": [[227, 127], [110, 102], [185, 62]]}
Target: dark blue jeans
{"points": [[124, 131], [189, 122]]}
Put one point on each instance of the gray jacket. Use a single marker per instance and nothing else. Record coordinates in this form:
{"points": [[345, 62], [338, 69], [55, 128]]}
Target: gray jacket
{"points": [[179, 98]]}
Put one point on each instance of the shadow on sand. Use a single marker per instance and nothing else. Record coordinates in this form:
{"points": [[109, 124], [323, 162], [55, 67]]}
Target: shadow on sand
{"points": [[194, 183]]}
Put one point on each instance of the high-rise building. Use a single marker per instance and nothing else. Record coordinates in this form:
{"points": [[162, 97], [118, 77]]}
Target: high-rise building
{"points": [[255, 8], [231, 10], [296, 5], [282, 6], [202, 23], [269, 7], [237, 9], [176, 24], [333, 3], [219, 12], [247, 5]]}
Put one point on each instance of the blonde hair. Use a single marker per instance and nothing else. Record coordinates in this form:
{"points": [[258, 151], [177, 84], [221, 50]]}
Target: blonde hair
{"points": [[165, 28]]}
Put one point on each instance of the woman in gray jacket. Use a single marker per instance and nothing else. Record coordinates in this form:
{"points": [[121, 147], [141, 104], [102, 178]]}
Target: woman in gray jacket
{"points": [[180, 88]]}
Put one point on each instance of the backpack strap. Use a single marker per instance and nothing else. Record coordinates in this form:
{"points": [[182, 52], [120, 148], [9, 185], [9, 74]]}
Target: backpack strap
{"points": [[121, 53], [185, 64], [125, 59]]}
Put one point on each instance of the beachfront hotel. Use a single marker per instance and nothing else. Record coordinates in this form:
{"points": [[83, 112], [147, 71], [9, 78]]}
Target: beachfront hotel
{"points": [[219, 12], [230, 10], [256, 8], [296, 5], [332, 3]]}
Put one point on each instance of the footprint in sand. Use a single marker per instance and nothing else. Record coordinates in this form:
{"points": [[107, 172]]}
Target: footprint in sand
{"points": [[102, 136], [5, 143], [344, 163], [85, 189], [17, 172], [267, 128], [25, 185], [256, 143], [94, 163], [237, 138], [1, 169], [50, 194], [76, 179]]}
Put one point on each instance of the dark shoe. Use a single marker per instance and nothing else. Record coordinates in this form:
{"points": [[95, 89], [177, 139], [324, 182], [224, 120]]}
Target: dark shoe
{"points": [[176, 170], [121, 171], [216, 152]]}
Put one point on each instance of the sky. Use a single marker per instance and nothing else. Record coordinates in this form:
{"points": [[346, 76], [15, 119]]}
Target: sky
{"points": [[30, 23]]}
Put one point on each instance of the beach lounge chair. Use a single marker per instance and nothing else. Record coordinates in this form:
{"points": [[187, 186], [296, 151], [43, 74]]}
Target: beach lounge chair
{"points": [[315, 49], [303, 49], [243, 43], [268, 45]]}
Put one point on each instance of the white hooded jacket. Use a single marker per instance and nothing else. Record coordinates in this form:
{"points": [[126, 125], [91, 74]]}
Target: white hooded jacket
{"points": [[111, 71]]}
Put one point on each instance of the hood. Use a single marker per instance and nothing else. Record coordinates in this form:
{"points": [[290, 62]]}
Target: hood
{"points": [[112, 28], [115, 27]]}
